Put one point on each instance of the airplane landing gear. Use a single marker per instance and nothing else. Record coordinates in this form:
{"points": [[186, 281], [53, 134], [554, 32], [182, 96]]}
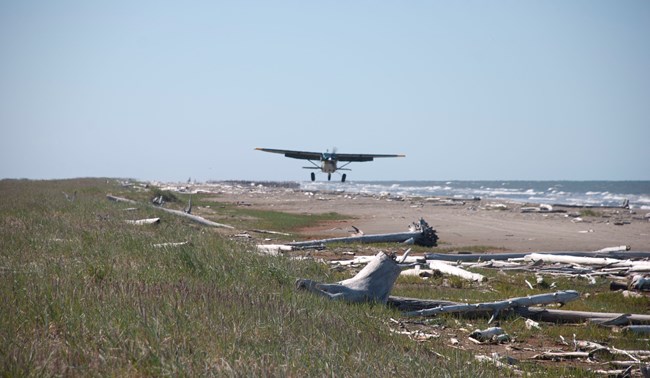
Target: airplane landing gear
{"points": [[343, 177], [329, 177], [313, 176]]}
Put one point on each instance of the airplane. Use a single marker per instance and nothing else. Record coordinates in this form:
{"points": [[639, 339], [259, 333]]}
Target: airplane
{"points": [[328, 160]]}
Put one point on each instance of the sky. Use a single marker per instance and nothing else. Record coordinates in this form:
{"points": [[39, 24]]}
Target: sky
{"points": [[468, 90]]}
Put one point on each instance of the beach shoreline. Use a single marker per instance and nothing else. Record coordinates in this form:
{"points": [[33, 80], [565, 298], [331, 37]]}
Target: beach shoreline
{"points": [[460, 224]]}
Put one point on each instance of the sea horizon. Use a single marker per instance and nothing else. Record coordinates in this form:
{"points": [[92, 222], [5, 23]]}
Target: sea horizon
{"points": [[558, 192], [588, 193]]}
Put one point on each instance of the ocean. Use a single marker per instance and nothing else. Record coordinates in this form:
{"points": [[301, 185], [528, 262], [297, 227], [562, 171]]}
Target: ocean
{"points": [[576, 193]]}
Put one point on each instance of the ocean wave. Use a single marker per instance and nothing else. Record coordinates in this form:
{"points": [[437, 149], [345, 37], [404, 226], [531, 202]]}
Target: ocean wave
{"points": [[595, 193]]}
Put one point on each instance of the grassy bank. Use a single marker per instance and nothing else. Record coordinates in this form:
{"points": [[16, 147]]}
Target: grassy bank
{"points": [[85, 293]]}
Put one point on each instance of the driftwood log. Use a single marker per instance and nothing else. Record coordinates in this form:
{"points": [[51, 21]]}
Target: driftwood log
{"points": [[499, 306], [445, 268], [536, 313], [563, 316], [372, 284], [603, 261], [194, 218], [413, 304], [467, 257], [420, 233], [141, 222], [113, 198], [171, 245]]}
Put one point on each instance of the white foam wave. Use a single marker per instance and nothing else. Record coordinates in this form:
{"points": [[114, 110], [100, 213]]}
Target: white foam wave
{"points": [[555, 194]]}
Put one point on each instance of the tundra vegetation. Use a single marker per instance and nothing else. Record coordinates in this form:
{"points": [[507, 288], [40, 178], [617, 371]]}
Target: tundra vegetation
{"points": [[85, 293]]}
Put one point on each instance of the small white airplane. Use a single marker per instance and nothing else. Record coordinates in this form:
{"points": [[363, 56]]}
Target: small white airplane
{"points": [[328, 160]]}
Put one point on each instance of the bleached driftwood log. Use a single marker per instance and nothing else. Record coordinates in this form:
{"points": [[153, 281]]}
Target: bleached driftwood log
{"points": [[172, 244], [413, 304], [561, 355], [421, 234], [496, 307], [640, 283], [195, 218], [564, 316], [417, 272], [571, 259], [637, 328], [273, 249], [638, 266], [271, 232], [496, 334], [620, 248], [445, 268], [372, 284], [621, 266], [120, 199], [466, 257], [362, 260], [140, 222]]}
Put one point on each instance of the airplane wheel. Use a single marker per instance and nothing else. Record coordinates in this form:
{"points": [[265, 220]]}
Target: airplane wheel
{"points": [[343, 177], [329, 176], [313, 176]]}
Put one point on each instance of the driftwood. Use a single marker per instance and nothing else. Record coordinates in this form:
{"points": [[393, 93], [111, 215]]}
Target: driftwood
{"points": [[561, 355], [536, 313], [173, 244], [637, 282], [637, 328], [194, 218], [273, 249], [414, 304], [72, 197], [499, 306], [571, 259], [563, 316], [417, 272], [445, 268], [120, 199], [640, 283], [372, 284], [624, 205], [501, 365], [492, 334], [271, 232], [608, 265], [140, 222], [467, 257], [620, 248], [362, 260], [546, 209], [421, 234]]}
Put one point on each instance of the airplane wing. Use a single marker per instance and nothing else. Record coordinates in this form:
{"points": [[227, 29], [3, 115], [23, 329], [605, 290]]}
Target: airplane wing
{"points": [[363, 157], [307, 155], [304, 155]]}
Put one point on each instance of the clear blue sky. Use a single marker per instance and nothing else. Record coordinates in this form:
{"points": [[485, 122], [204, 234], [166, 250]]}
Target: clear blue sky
{"points": [[467, 90]]}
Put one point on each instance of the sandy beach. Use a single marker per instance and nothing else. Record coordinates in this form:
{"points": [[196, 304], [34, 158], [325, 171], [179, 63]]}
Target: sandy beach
{"points": [[500, 225]]}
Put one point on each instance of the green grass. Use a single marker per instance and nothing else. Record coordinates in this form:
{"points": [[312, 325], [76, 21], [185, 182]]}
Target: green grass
{"points": [[249, 218], [85, 293]]}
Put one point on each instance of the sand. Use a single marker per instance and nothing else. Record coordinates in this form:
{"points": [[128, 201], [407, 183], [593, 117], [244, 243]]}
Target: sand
{"points": [[499, 225]]}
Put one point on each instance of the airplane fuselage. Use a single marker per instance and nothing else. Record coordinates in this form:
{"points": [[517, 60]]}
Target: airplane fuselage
{"points": [[328, 166]]}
